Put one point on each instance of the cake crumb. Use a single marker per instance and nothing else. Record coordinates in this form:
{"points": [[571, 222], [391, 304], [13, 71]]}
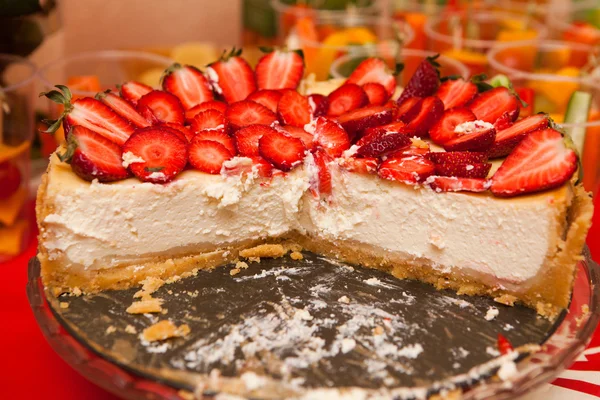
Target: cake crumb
{"points": [[76, 292], [492, 313], [506, 299], [234, 271], [254, 259], [130, 329], [110, 329], [378, 330], [149, 286], [173, 279], [64, 305], [240, 265], [344, 299], [585, 310], [163, 330], [264, 250], [296, 255], [146, 305]]}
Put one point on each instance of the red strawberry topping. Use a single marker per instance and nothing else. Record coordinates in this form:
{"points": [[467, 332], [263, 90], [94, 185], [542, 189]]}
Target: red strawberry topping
{"points": [[444, 130], [405, 108], [359, 165], [465, 170], [188, 84], [324, 176], [280, 69], [504, 122], [456, 93], [374, 70], [207, 105], [504, 346], [507, 139], [346, 98], [283, 151], [421, 119], [256, 163], [159, 106], [207, 155], [541, 161], [293, 109], [376, 93], [132, 91], [489, 106], [164, 153], [474, 136], [409, 170], [356, 121], [122, 108], [319, 104], [246, 112], [300, 133], [330, 136], [232, 77], [183, 131], [527, 95], [424, 82], [266, 97], [379, 143], [417, 147], [457, 157], [11, 179], [453, 184], [246, 139], [209, 119], [218, 135]]}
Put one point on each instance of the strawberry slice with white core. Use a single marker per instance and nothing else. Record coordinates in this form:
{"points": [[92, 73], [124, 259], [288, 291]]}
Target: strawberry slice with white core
{"points": [[541, 161], [123, 108], [490, 105], [410, 170], [208, 156], [329, 136], [159, 106], [293, 109], [182, 131], [160, 154], [376, 93], [267, 98], [323, 186], [405, 108], [246, 139], [457, 157], [417, 147], [218, 135], [367, 165], [188, 84], [319, 104], [380, 143], [454, 184], [280, 69], [246, 112], [283, 151], [232, 77], [464, 170], [92, 156], [374, 70], [356, 121], [346, 98], [300, 133], [420, 119], [209, 119], [445, 129], [132, 91], [424, 82], [456, 93], [507, 139], [207, 105], [472, 136]]}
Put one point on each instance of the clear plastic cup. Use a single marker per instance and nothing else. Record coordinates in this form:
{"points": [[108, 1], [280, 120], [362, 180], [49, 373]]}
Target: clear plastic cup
{"points": [[17, 83], [581, 25]]}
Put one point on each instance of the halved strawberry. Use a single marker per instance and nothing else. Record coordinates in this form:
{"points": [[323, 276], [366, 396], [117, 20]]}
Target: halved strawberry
{"points": [[346, 98], [507, 139], [406, 107], [246, 112], [444, 130], [490, 105], [232, 77], [417, 147], [477, 136], [283, 151], [374, 70], [366, 165], [456, 93], [396, 126], [424, 82], [410, 170], [123, 108], [266, 97], [380, 143], [541, 161], [209, 119], [280, 69], [159, 106], [92, 156], [329, 136], [164, 153], [11, 179], [183, 131], [504, 346], [356, 121], [207, 155], [454, 184], [187, 83], [457, 157], [207, 105], [464, 170], [376, 93], [421, 119], [217, 135], [300, 133], [246, 139], [504, 122], [132, 91], [323, 186], [527, 95], [319, 104], [293, 109]]}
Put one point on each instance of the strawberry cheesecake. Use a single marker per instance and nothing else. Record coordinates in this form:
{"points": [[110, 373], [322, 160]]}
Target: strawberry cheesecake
{"points": [[444, 184]]}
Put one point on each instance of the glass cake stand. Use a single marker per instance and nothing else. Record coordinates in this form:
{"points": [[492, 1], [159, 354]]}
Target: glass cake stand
{"points": [[561, 341]]}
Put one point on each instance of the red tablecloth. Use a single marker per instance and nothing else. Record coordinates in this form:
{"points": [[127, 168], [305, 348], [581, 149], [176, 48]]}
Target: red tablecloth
{"points": [[32, 370]]}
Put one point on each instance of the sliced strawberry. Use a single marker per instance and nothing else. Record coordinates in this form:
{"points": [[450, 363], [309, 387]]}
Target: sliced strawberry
{"points": [[374, 70], [541, 161], [457, 157], [164, 153], [183, 131], [396, 126], [504, 122], [424, 82], [209, 119], [359, 165], [444, 130], [246, 112], [526, 95], [417, 147], [454, 184], [247, 165], [507, 139], [92, 156], [246, 139], [409, 170], [477, 136], [207, 105], [207, 155], [267, 98], [293, 109], [159, 106], [232, 77], [376, 93], [262, 166], [218, 135], [466, 170], [323, 186], [300, 133], [356, 121], [132, 91], [319, 104], [504, 346], [330, 136], [456, 93], [422, 119], [188, 84], [280, 69], [381, 143], [122, 108], [10, 179], [283, 151], [490, 105], [346, 98], [406, 107]]}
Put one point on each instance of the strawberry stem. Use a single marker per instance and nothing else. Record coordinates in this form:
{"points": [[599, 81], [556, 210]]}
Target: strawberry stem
{"points": [[63, 97], [68, 154]]}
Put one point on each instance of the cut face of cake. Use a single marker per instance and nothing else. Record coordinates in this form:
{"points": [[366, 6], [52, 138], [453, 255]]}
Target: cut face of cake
{"points": [[407, 187]]}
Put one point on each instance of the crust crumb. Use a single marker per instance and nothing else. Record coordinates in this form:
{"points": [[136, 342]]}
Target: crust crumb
{"points": [[130, 329], [64, 305], [163, 330], [146, 305], [585, 310], [254, 259], [240, 265], [296, 255], [110, 329], [264, 250], [149, 286], [506, 299], [378, 330]]}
